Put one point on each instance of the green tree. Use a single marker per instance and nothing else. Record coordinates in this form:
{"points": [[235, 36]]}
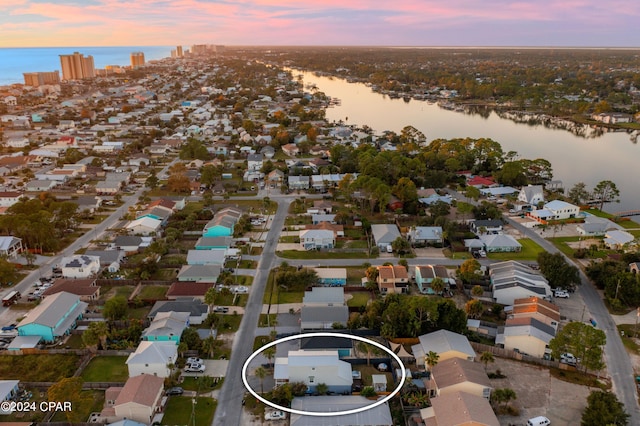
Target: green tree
{"points": [[557, 271], [192, 339], [152, 181], [603, 408], [477, 291], [418, 399], [322, 388], [474, 308], [400, 245], [578, 193], [368, 392], [486, 357], [583, 341], [437, 285], [606, 192], [269, 353], [468, 271], [503, 396], [178, 180], [115, 308], [70, 389], [261, 373], [8, 272], [431, 359]]}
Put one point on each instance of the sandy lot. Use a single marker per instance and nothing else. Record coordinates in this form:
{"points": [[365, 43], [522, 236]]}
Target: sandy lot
{"points": [[539, 394]]}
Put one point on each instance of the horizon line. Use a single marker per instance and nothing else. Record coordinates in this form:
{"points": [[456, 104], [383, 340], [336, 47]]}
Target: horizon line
{"points": [[380, 46]]}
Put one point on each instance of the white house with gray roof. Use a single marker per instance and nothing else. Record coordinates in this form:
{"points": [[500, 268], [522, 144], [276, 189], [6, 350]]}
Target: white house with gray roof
{"points": [[313, 367], [80, 266], [152, 358], [384, 234], [512, 280], [446, 344], [379, 415]]}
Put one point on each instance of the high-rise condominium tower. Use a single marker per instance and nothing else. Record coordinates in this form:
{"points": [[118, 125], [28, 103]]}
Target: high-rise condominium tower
{"points": [[77, 66], [137, 59]]}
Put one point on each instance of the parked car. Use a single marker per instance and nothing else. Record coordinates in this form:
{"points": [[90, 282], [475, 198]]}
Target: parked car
{"points": [[221, 309], [564, 294], [275, 415], [175, 391], [9, 327], [568, 358], [538, 421], [194, 360], [194, 368], [240, 289]]}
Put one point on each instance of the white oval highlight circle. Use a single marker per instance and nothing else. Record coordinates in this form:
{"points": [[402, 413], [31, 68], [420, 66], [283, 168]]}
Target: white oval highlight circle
{"points": [[319, 413]]}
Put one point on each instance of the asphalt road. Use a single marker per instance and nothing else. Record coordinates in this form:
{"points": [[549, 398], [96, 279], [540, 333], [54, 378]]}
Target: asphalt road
{"points": [[229, 409], [45, 268], [616, 357]]}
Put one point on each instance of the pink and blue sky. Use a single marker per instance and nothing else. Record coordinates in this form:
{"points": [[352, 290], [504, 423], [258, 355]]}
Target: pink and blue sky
{"points": [[44, 23]]}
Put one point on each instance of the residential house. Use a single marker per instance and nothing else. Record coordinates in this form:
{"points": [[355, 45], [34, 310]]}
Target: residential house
{"points": [[535, 307], [87, 289], [424, 276], [321, 207], [214, 243], [446, 344], [313, 367], [140, 399], [9, 198], [343, 345], [459, 375], [555, 210], [379, 415], [526, 334], [131, 243], [153, 358], [392, 279], [617, 239], [596, 226], [40, 185], [254, 162], [481, 182], [275, 177], [318, 317], [80, 266], [324, 296], [199, 273], [338, 230], [317, 239], [499, 243], [158, 212], [298, 182], [424, 235], [488, 226], [185, 289], [197, 310], [110, 259], [290, 149], [531, 195], [53, 318], [144, 226], [10, 247], [512, 280], [223, 223], [206, 257], [323, 217], [331, 276], [384, 234], [9, 390], [166, 327], [459, 409]]}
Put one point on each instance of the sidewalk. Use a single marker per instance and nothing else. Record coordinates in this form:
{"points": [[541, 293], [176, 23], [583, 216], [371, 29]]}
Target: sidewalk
{"points": [[630, 318]]}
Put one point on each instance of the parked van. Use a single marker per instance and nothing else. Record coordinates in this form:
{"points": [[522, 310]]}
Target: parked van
{"points": [[538, 421]]}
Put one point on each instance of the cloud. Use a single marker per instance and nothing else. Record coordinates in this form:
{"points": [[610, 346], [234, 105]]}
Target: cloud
{"points": [[317, 22]]}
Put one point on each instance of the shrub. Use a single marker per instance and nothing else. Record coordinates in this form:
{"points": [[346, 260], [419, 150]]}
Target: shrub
{"points": [[368, 391]]}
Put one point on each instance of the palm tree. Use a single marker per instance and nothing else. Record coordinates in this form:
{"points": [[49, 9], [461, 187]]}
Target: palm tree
{"points": [[437, 285], [431, 359], [322, 388], [486, 358], [269, 353], [418, 399], [261, 373], [182, 348]]}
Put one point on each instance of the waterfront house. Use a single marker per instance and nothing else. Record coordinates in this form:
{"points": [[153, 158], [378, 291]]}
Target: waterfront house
{"points": [[531, 194], [617, 239]]}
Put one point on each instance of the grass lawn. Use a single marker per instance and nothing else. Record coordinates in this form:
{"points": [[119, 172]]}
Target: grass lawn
{"points": [[263, 322], [561, 244], [229, 323], [38, 368], [579, 377], [95, 403], [139, 313], [354, 276], [179, 408], [154, 292], [360, 298], [629, 332], [624, 222], [106, 369], [313, 254], [201, 384], [248, 264], [361, 244], [530, 251], [74, 342], [278, 296]]}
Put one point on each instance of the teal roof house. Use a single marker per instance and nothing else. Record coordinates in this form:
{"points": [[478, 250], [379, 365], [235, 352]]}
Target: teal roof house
{"points": [[55, 317]]}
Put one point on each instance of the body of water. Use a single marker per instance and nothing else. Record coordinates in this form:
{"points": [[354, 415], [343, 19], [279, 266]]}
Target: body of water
{"points": [[609, 156], [15, 61]]}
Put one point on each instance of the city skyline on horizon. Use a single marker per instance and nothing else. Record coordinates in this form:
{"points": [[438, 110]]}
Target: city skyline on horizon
{"points": [[405, 23]]}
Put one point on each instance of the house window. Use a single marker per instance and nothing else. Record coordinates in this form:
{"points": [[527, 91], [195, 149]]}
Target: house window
{"points": [[312, 379]]}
